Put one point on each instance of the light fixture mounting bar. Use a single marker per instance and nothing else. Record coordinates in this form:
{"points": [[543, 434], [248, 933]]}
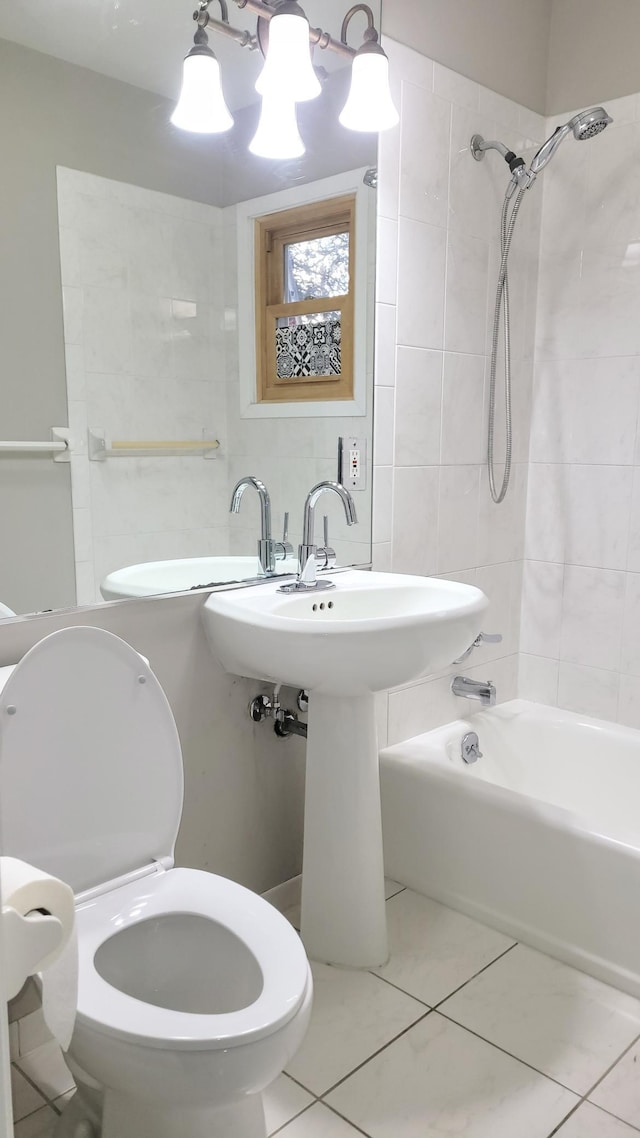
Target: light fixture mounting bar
{"points": [[317, 37], [209, 23]]}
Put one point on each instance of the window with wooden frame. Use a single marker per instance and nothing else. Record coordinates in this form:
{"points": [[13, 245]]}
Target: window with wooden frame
{"points": [[305, 302]]}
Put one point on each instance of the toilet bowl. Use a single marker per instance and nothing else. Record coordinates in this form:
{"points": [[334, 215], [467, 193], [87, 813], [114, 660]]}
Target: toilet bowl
{"points": [[193, 992]]}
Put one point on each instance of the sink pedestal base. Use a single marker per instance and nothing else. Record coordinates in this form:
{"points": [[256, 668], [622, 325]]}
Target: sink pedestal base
{"points": [[343, 908]]}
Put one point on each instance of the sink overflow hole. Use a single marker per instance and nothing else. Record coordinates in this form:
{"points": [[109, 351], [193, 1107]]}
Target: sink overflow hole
{"points": [[322, 606]]}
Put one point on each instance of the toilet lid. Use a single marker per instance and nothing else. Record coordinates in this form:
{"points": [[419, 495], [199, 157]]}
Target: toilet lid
{"points": [[91, 779]]}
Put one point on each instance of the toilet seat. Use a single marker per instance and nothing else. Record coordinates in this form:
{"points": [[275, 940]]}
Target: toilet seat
{"points": [[274, 945], [85, 723]]}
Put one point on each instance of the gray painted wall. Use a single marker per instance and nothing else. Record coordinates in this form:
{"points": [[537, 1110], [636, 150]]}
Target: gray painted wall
{"points": [[243, 787], [502, 44], [593, 52], [550, 55]]}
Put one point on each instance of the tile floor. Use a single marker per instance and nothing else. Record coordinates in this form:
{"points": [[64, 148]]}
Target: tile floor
{"points": [[463, 1034]]}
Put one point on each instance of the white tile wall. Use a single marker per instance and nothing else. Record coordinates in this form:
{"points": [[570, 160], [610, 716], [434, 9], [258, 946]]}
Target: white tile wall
{"points": [[438, 227], [142, 322], [581, 608], [290, 455]]}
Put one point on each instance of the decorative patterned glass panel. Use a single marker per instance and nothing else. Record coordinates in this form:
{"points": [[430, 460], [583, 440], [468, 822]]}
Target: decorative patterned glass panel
{"points": [[316, 268], [309, 345]]}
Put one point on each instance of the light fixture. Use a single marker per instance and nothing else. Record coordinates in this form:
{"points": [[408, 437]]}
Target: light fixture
{"points": [[201, 107], [369, 106], [286, 40], [288, 69], [277, 135]]}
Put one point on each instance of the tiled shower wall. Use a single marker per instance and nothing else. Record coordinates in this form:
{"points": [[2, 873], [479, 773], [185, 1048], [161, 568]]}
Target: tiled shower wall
{"points": [[581, 601], [438, 223]]}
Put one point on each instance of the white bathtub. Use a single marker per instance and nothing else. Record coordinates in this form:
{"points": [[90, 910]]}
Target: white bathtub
{"points": [[540, 838]]}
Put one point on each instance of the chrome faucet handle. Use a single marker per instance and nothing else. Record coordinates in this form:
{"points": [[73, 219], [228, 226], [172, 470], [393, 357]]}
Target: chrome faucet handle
{"points": [[326, 556], [309, 568], [284, 548], [481, 638]]}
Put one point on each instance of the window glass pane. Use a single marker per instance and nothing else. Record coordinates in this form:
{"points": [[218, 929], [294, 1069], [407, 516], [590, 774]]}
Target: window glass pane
{"points": [[316, 268], [309, 345]]}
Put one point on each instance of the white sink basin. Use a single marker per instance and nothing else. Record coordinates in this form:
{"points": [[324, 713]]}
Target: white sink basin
{"points": [[373, 631], [152, 577]]}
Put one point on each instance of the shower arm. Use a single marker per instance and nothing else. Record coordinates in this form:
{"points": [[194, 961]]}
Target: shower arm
{"points": [[520, 174]]}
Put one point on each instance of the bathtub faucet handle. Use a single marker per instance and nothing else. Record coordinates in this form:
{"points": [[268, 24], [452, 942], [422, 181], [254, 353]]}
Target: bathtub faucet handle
{"points": [[481, 638]]}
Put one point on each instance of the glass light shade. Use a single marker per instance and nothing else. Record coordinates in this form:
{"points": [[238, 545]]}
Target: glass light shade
{"points": [[201, 107], [369, 106], [277, 135], [288, 70]]}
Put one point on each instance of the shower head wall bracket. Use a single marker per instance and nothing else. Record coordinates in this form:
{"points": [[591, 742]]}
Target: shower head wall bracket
{"points": [[517, 166], [479, 147]]}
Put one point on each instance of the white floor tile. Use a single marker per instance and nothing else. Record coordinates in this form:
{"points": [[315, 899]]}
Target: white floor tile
{"points": [[438, 1080], [434, 949], [354, 1014], [38, 1125], [293, 915], [292, 912], [61, 1102], [391, 887], [25, 1097], [48, 1070], [282, 1101], [620, 1091], [559, 1020], [589, 1122], [33, 1032], [319, 1122]]}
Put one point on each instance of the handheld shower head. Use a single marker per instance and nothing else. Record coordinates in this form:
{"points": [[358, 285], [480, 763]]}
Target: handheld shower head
{"points": [[586, 124], [589, 123]]}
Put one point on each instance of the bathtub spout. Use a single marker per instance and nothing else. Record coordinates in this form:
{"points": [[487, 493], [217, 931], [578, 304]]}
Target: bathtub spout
{"points": [[482, 690]]}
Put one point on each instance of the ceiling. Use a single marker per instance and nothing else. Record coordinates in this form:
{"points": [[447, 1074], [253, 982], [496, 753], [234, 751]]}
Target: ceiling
{"points": [[143, 43]]}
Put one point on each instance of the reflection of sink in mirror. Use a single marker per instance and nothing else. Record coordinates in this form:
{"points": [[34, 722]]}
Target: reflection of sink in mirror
{"points": [[153, 577]]}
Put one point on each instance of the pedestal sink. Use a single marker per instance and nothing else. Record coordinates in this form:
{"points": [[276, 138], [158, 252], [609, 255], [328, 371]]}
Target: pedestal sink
{"points": [[371, 632]]}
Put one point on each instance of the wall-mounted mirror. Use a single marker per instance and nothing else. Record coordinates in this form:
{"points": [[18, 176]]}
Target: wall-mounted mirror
{"points": [[128, 335]]}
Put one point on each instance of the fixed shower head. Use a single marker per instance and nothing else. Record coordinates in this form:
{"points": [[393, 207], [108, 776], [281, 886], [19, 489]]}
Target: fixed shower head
{"points": [[586, 124], [589, 123]]}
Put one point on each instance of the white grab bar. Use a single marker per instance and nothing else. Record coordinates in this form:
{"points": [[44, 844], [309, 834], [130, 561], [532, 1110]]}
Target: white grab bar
{"points": [[58, 445]]}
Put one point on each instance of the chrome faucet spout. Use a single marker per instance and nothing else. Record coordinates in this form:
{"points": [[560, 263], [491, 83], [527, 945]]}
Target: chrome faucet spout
{"points": [[308, 528], [266, 551], [482, 690], [308, 552]]}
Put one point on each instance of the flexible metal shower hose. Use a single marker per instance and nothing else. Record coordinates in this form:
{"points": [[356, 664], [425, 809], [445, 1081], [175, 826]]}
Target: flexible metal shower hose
{"points": [[507, 226]]}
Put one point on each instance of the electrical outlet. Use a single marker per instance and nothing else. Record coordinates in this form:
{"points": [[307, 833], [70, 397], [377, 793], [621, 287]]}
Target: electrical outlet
{"points": [[352, 462]]}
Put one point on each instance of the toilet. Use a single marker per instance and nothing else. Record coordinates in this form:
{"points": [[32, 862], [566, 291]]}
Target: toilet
{"points": [[193, 992]]}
